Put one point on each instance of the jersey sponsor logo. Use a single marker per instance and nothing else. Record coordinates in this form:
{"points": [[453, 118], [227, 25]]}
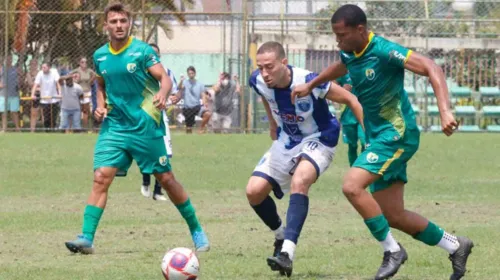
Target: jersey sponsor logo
{"points": [[370, 74], [131, 67], [371, 157], [162, 160], [135, 54], [289, 118], [304, 104], [397, 55], [102, 58], [271, 101], [346, 55]]}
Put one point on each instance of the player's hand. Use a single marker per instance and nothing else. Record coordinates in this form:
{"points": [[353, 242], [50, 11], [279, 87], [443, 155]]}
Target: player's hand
{"points": [[100, 114], [182, 78], [300, 91], [448, 123], [273, 132], [160, 101], [174, 99]]}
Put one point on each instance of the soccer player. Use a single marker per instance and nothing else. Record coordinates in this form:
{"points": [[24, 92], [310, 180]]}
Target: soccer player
{"points": [[305, 135], [146, 178], [376, 67], [135, 87], [351, 128]]}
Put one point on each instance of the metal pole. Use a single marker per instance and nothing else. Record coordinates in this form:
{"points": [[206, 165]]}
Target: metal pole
{"points": [[282, 18], [243, 77], [426, 97], [143, 8], [224, 55], [6, 52]]}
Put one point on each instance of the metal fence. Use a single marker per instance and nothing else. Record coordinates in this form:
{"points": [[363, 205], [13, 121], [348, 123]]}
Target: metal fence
{"points": [[216, 36]]}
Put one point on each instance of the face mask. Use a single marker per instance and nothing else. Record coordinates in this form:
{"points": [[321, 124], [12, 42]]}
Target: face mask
{"points": [[225, 82]]}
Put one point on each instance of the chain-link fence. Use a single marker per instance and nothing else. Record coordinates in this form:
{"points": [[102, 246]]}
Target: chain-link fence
{"points": [[215, 36]]}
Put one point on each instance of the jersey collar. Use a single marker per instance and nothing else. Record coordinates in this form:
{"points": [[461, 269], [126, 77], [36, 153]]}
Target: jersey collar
{"points": [[370, 38], [116, 52]]}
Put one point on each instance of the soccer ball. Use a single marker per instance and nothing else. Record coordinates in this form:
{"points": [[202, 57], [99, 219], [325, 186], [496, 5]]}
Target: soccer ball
{"points": [[180, 264]]}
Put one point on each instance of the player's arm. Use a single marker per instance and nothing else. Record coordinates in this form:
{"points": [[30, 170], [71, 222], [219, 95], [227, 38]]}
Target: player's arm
{"points": [[273, 126], [334, 71], [424, 66], [159, 73], [339, 94], [100, 111]]}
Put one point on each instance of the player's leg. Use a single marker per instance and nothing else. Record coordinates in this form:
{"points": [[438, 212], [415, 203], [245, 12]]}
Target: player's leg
{"points": [[151, 156], [391, 200], [109, 157], [157, 193], [314, 159], [350, 137], [146, 182]]}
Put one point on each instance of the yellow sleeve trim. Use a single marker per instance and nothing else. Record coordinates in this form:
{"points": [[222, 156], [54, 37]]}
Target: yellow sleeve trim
{"points": [[408, 56]]}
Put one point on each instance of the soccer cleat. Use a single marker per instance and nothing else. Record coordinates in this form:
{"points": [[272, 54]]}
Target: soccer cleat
{"points": [[281, 263], [278, 244], [145, 191], [80, 245], [459, 258], [160, 197], [200, 241], [391, 263]]}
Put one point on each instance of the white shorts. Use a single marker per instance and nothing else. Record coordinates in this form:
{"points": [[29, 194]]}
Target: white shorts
{"points": [[221, 121], [86, 98], [166, 138], [278, 164]]}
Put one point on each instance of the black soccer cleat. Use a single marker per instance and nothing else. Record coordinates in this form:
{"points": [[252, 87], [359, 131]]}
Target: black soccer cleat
{"points": [[278, 244], [459, 258], [391, 263], [282, 263]]}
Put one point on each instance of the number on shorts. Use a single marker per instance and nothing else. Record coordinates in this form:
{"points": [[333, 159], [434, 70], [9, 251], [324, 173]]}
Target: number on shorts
{"points": [[312, 146]]}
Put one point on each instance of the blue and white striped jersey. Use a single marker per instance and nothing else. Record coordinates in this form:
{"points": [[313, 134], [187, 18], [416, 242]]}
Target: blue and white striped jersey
{"points": [[174, 89], [308, 118]]}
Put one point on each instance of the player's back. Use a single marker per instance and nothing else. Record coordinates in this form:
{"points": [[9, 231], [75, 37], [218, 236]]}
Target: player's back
{"points": [[130, 89], [310, 117], [377, 75]]}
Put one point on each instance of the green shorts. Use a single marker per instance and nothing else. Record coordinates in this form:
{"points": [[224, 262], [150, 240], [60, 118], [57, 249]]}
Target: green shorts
{"points": [[351, 133], [387, 156], [112, 150]]}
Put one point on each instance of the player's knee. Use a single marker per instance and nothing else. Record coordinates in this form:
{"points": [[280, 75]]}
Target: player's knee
{"points": [[300, 184], [167, 180], [350, 188], [101, 181], [255, 193]]}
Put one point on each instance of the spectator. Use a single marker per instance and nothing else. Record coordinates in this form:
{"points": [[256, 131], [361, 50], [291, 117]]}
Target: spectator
{"points": [[50, 90], [225, 91], [35, 103], [86, 78], [191, 91], [9, 99], [70, 104]]}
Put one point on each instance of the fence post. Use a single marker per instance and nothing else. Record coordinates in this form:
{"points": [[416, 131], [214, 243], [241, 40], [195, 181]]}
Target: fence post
{"points": [[426, 97], [243, 78]]}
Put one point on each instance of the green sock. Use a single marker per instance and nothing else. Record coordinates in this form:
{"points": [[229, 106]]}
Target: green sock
{"points": [[188, 213], [91, 217], [352, 154], [431, 235], [379, 227]]}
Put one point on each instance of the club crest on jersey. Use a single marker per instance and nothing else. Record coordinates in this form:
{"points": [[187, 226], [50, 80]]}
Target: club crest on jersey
{"points": [[371, 157], [163, 160], [304, 104], [131, 67], [370, 74]]}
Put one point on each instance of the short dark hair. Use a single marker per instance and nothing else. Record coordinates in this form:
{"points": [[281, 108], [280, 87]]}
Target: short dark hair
{"points": [[191, 68], [273, 47], [116, 7], [351, 15], [226, 75], [153, 45]]}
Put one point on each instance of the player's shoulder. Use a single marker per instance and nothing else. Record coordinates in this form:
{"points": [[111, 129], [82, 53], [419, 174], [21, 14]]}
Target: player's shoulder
{"points": [[301, 75], [254, 77], [102, 51]]}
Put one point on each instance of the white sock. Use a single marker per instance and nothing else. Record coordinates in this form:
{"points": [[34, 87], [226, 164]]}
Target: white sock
{"points": [[449, 242], [390, 244], [289, 247], [279, 233]]}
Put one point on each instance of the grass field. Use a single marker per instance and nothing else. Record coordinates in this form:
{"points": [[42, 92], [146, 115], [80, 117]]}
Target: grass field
{"points": [[45, 180]]}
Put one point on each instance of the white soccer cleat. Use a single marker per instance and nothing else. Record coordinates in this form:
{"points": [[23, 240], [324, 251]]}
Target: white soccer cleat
{"points": [[159, 197], [145, 191]]}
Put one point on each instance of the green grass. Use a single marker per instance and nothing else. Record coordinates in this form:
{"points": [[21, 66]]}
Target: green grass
{"points": [[45, 180]]}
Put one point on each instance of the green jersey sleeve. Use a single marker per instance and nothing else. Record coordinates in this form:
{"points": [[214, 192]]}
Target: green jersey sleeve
{"points": [[150, 57], [394, 54]]}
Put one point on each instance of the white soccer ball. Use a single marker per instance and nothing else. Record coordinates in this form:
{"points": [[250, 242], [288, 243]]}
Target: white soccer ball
{"points": [[180, 264]]}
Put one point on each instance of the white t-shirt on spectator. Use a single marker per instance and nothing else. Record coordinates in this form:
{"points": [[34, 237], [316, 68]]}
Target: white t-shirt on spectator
{"points": [[48, 86]]}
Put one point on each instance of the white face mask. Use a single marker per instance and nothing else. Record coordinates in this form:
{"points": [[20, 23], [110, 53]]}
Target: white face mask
{"points": [[225, 82]]}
